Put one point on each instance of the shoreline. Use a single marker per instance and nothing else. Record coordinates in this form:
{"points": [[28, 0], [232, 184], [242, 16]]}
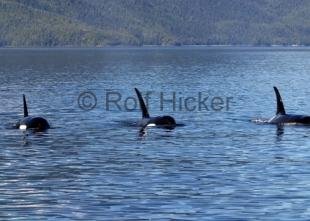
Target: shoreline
{"points": [[166, 47]]}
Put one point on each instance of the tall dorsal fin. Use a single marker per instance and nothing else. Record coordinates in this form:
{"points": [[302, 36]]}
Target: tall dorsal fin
{"points": [[145, 113], [280, 106], [25, 106]]}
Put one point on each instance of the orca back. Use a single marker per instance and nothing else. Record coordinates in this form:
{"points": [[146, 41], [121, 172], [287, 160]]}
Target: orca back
{"points": [[164, 120], [31, 122], [36, 123]]}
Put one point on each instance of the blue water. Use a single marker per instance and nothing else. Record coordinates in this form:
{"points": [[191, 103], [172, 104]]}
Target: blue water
{"points": [[95, 165]]}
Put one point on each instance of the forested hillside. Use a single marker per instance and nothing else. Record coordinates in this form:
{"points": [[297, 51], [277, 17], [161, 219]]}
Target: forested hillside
{"points": [[50, 23]]}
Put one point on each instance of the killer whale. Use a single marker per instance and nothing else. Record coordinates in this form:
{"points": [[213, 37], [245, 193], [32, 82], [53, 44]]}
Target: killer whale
{"points": [[32, 122], [159, 121], [282, 117]]}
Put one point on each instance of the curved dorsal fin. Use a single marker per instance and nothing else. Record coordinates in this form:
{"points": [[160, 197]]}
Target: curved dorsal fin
{"points": [[280, 106], [145, 113], [25, 106]]}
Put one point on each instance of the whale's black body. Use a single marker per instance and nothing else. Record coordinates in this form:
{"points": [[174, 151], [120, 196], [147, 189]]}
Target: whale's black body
{"points": [[282, 118], [160, 121], [32, 122]]}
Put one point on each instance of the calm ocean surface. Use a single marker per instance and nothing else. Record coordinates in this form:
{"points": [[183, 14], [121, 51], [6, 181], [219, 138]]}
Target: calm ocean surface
{"points": [[95, 165]]}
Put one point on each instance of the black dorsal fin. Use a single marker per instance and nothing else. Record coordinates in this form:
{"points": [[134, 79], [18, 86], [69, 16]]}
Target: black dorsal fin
{"points": [[280, 106], [25, 106], [145, 113]]}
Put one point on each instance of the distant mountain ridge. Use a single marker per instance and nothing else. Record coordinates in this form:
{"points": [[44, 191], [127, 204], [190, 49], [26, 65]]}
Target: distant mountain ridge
{"points": [[97, 23]]}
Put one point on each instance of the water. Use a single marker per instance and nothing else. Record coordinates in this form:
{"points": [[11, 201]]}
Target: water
{"points": [[94, 165]]}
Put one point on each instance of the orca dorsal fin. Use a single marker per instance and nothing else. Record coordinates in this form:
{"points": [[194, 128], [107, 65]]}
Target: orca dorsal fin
{"points": [[280, 105], [145, 113], [25, 106]]}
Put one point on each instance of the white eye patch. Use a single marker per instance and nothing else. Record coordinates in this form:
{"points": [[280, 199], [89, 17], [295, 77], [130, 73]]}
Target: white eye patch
{"points": [[151, 125], [22, 127]]}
